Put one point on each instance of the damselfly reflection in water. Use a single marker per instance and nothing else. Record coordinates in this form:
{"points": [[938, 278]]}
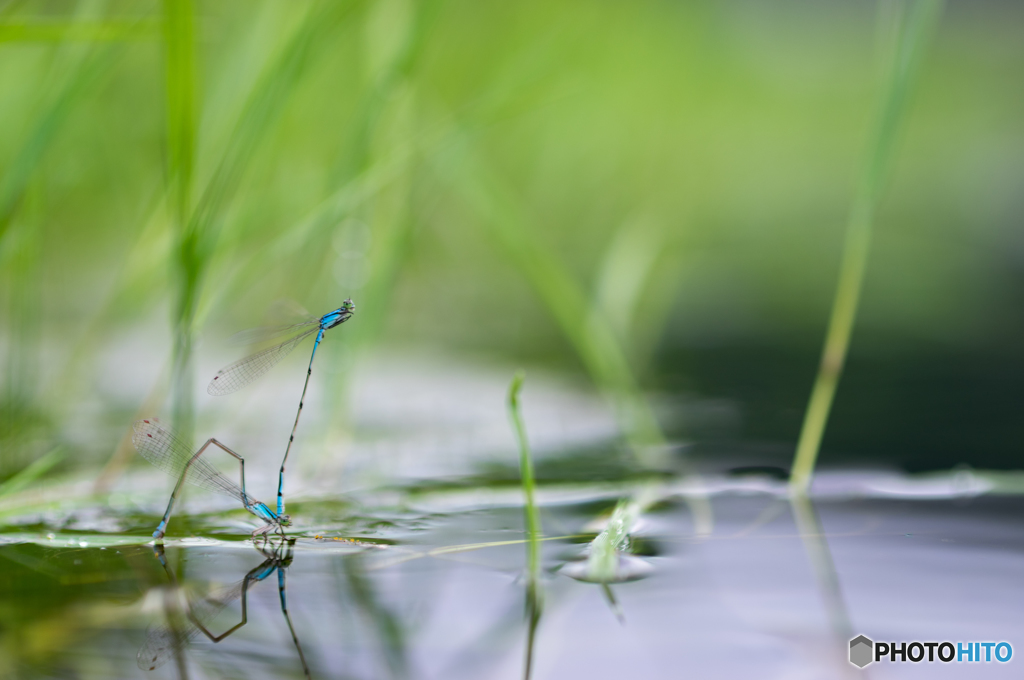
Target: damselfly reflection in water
{"points": [[172, 455], [244, 371], [170, 641]]}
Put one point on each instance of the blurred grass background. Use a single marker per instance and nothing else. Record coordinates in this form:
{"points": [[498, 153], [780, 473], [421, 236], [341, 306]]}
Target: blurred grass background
{"points": [[650, 195]]}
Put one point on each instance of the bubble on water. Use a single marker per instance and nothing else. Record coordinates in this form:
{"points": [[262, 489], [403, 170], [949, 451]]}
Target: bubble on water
{"points": [[629, 568]]}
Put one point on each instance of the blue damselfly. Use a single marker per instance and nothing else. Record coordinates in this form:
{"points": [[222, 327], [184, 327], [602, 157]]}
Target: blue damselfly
{"points": [[245, 371]]}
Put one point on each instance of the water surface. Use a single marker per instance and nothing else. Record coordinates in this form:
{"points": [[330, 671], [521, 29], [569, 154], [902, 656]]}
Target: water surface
{"points": [[434, 586]]}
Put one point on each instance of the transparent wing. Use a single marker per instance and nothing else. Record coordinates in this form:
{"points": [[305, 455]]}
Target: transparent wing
{"points": [[169, 453], [242, 372], [286, 310], [163, 641], [267, 333], [155, 651], [161, 644]]}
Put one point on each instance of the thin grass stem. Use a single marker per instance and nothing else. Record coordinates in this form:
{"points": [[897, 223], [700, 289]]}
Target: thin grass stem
{"points": [[179, 41], [534, 593], [914, 31], [533, 527]]}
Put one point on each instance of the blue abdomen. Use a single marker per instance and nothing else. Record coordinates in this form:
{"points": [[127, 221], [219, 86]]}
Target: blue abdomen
{"points": [[263, 512]]}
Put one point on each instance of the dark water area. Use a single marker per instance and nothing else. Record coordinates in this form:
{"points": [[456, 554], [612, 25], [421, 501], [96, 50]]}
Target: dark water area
{"points": [[918, 407], [760, 587]]}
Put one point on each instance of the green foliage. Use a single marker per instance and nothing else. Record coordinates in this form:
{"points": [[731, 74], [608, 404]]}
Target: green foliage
{"points": [[574, 186]]}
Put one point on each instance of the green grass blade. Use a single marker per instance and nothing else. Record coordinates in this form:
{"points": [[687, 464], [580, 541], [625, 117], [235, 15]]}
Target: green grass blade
{"points": [[534, 593], [180, 91], [628, 263], [591, 335], [921, 21], [34, 471], [533, 527], [78, 31]]}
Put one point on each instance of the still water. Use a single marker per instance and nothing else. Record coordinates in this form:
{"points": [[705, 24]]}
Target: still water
{"points": [[408, 558], [427, 589]]}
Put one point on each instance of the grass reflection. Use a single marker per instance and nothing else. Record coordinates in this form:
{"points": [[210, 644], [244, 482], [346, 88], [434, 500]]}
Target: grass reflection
{"points": [[815, 542], [385, 625]]}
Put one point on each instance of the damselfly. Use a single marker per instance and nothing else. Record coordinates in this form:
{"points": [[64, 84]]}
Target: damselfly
{"points": [[244, 371], [169, 641], [169, 453]]}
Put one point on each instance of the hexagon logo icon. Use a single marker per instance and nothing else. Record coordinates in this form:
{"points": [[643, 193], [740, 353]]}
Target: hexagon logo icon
{"points": [[861, 649]]}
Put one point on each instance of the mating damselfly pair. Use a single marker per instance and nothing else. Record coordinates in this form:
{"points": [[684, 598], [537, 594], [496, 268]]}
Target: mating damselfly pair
{"points": [[171, 454]]}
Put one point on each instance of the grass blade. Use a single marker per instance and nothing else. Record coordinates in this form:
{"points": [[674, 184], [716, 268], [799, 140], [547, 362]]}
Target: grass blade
{"points": [[180, 88], [78, 31], [34, 471], [921, 20], [591, 335], [534, 592]]}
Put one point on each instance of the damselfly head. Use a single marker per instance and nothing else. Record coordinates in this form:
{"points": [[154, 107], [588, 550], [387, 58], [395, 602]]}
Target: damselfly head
{"points": [[343, 313], [284, 520]]}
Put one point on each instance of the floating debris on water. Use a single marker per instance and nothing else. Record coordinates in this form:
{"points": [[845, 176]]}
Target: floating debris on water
{"points": [[350, 541]]}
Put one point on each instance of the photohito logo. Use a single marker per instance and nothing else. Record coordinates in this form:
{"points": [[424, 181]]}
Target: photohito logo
{"points": [[864, 651]]}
